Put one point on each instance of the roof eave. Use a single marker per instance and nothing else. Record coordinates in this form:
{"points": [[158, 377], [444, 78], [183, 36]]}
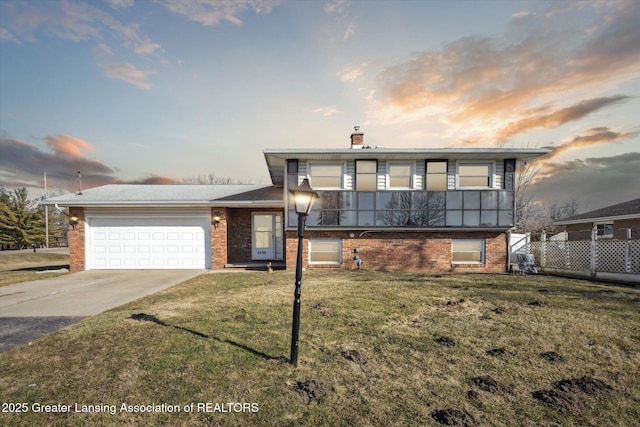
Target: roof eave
{"points": [[598, 219], [276, 158], [176, 204]]}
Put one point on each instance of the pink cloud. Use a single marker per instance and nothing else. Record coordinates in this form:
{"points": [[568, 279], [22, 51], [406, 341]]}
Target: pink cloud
{"points": [[212, 12], [497, 81], [128, 73], [66, 145]]}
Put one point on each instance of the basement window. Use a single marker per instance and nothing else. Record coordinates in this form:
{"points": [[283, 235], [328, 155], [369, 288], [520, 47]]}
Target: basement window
{"points": [[465, 251], [325, 252]]}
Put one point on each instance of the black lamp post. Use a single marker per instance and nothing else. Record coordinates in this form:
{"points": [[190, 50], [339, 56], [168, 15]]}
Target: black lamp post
{"points": [[303, 198]]}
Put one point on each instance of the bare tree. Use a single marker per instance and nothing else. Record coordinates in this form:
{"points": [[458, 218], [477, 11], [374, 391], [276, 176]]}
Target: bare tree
{"points": [[528, 214], [211, 178]]}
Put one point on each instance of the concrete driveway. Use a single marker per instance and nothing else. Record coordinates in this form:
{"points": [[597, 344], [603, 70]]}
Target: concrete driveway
{"points": [[29, 310]]}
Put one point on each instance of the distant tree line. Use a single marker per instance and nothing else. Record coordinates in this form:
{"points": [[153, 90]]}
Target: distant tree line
{"points": [[211, 178], [22, 222]]}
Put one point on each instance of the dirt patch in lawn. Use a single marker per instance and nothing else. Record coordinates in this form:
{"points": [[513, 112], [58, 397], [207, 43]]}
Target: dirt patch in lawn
{"points": [[559, 401], [446, 341], [454, 417], [499, 352], [538, 303], [584, 385], [552, 356], [563, 398], [355, 356], [324, 309], [487, 383], [311, 390]]}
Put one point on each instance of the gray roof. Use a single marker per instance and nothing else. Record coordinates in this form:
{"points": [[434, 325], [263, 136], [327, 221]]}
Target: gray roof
{"points": [[625, 210], [173, 195]]}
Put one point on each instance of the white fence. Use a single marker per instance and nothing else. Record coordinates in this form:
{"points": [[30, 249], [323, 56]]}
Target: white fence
{"points": [[600, 259]]}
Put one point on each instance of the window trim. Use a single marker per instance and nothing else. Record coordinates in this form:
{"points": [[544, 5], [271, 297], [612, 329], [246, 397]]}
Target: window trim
{"points": [[412, 172], [343, 179], [309, 251], [482, 252], [492, 169]]}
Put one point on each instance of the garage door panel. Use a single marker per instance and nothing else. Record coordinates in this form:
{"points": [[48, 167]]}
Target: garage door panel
{"points": [[148, 243]]}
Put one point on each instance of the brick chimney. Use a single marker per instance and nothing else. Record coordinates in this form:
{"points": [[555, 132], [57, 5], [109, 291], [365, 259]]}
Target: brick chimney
{"points": [[357, 139]]}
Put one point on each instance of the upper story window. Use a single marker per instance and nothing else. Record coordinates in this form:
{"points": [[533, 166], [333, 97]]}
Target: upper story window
{"points": [[436, 174], [400, 176], [366, 175], [326, 175], [475, 175]]}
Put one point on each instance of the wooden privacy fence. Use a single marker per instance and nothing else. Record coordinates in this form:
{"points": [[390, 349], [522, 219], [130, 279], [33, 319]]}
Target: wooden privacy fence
{"points": [[609, 259]]}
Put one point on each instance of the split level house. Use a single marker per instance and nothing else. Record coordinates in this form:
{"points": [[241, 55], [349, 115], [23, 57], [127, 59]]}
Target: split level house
{"points": [[389, 209]]}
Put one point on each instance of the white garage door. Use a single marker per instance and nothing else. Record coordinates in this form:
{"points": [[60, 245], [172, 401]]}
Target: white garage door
{"points": [[148, 242]]}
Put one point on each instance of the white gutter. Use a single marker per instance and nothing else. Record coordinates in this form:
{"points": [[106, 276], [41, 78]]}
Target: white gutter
{"points": [[599, 219]]}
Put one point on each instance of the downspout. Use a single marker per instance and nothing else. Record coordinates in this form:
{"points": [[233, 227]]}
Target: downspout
{"points": [[508, 250]]}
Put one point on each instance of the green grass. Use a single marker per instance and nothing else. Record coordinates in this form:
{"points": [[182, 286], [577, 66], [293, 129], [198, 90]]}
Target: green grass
{"points": [[23, 266], [222, 338]]}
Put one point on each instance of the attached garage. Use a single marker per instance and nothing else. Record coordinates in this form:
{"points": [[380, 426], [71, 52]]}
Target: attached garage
{"points": [[131, 226], [148, 239]]}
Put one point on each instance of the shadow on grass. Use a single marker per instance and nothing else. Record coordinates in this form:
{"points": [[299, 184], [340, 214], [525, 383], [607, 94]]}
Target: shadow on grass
{"points": [[150, 318], [42, 268]]}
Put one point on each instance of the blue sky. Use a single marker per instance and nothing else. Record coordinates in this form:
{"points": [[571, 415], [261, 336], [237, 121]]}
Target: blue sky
{"points": [[155, 91]]}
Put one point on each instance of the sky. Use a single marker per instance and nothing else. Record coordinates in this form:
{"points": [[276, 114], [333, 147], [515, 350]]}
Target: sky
{"points": [[153, 91]]}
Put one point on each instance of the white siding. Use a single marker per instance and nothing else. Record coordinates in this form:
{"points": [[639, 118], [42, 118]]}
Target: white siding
{"points": [[302, 171], [382, 175], [418, 177], [349, 178], [451, 175], [498, 174]]}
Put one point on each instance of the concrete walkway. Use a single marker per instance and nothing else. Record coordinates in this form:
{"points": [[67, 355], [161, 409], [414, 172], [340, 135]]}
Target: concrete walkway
{"points": [[30, 310]]}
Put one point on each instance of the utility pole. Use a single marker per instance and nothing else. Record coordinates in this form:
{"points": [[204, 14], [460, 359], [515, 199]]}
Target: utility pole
{"points": [[46, 214]]}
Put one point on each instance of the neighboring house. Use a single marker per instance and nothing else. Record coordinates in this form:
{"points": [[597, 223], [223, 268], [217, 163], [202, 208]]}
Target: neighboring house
{"points": [[396, 209], [611, 222]]}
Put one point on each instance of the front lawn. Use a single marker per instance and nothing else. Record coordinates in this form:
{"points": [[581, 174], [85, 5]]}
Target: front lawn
{"points": [[22, 266], [375, 349]]}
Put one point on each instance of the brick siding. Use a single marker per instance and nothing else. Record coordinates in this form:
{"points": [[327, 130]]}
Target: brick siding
{"points": [[239, 237], [397, 251], [219, 237], [77, 258]]}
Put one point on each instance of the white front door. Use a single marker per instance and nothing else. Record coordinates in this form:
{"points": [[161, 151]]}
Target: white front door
{"points": [[266, 236]]}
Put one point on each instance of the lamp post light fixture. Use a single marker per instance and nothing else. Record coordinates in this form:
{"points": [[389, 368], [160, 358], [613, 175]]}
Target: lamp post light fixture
{"points": [[303, 198], [73, 221]]}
